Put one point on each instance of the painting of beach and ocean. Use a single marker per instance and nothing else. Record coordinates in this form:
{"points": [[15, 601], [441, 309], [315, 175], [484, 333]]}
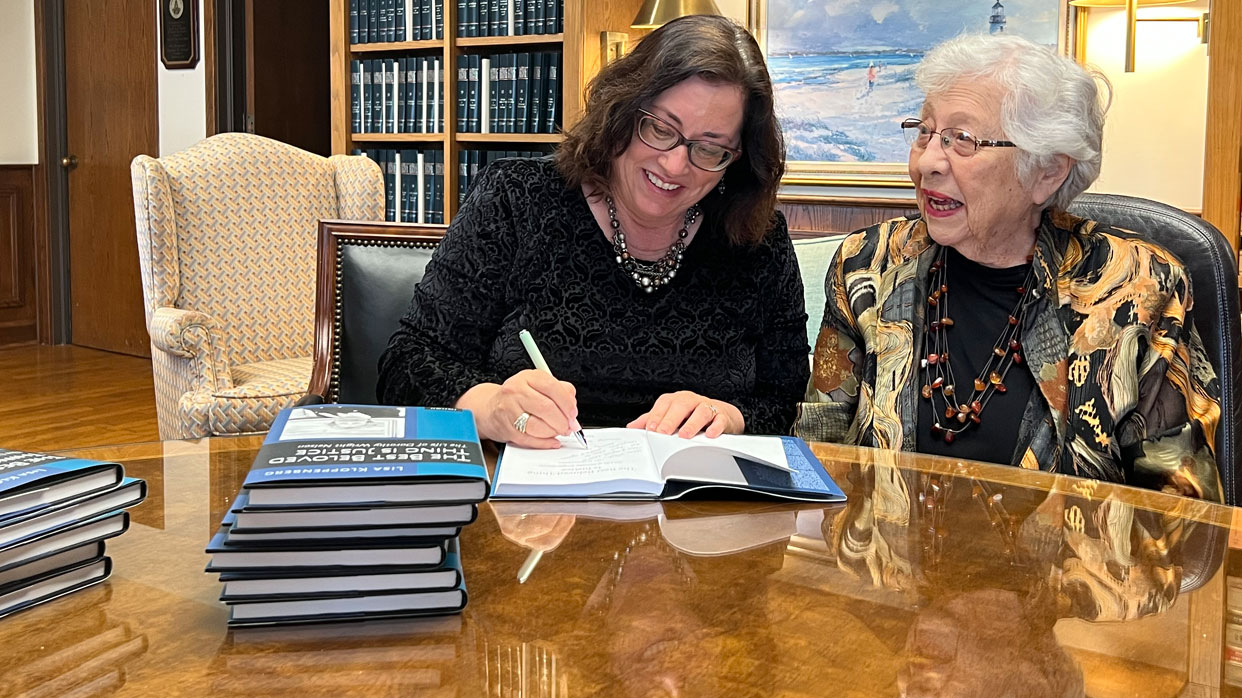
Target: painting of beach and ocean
{"points": [[844, 69]]}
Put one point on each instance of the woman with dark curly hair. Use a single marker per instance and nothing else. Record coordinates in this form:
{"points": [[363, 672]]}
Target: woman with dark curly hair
{"points": [[646, 257]]}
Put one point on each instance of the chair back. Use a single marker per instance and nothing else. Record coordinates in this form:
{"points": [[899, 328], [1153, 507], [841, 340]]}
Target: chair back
{"points": [[1214, 282], [365, 279]]}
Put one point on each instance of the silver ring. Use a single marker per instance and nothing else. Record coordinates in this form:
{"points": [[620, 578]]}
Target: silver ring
{"points": [[712, 407], [520, 422]]}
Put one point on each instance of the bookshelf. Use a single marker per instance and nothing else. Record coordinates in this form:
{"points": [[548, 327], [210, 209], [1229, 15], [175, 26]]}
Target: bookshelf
{"points": [[579, 44]]}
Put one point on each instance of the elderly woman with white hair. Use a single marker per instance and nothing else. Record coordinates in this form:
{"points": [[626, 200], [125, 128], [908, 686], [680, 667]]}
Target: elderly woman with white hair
{"points": [[996, 326]]}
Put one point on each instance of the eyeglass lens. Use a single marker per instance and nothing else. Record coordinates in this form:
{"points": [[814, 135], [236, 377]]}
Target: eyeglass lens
{"points": [[662, 136], [919, 135]]}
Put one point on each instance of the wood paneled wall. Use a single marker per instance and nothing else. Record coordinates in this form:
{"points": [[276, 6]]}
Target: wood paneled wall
{"points": [[809, 217], [18, 316]]}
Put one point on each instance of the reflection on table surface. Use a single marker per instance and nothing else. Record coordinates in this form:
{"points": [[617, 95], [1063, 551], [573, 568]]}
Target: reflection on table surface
{"points": [[935, 578]]}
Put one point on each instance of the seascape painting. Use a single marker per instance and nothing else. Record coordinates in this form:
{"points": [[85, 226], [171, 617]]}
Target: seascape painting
{"points": [[844, 69]]}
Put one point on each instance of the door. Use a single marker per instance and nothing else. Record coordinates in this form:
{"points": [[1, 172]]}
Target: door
{"points": [[111, 107]]}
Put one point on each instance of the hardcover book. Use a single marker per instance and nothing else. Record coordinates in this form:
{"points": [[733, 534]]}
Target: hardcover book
{"points": [[53, 585], [30, 481], [638, 464], [327, 555], [336, 456], [281, 584], [67, 537], [35, 524]]}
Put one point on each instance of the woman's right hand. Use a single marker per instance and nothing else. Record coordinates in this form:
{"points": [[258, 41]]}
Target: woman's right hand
{"points": [[551, 406]]}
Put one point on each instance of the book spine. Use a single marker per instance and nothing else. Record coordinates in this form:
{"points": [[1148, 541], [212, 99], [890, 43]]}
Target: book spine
{"points": [[429, 172], [437, 187], [372, 84], [394, 101], [463, 85], [461, 18], [552, 96], [421, 208], [364, 21], [437, 118], [518, 12], [424, 94], [493, 18], [437, 19], [534, 110], [539, 13], [389, 13], [355, 96], [427, 27], [353, 21], [410, 78], [463, 176], [397, 185], [399, 21], [506, 17], [522, 96], [390, 191], [549, 16], [404, 189], [486, 104]]}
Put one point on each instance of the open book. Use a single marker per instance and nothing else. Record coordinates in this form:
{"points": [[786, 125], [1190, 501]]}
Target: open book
{"points": [[637, 464]]}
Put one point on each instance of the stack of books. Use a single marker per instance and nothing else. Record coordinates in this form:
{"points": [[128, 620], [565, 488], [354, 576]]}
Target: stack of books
{"points": [[352, 511], [55, 514]]}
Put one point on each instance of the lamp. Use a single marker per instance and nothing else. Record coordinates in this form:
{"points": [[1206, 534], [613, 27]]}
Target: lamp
{"points": [[1131, 18], [656, 13]]}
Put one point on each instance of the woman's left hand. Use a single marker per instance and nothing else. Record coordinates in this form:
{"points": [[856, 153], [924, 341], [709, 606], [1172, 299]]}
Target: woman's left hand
{"points": [[688, 413]]}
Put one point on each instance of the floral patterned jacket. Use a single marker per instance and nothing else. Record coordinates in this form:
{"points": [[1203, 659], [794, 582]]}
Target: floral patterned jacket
{"points": [[1125, 392]]}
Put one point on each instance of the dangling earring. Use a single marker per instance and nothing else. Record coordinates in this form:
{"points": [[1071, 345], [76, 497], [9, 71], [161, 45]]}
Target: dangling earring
{"points": [[720, 187]]}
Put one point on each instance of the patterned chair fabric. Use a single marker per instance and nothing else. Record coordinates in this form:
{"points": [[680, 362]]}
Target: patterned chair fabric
{"points": [[226, 243]]}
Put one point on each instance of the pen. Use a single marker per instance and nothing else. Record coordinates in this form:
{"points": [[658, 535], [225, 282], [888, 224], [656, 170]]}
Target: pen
{"points": [[532, 350]]}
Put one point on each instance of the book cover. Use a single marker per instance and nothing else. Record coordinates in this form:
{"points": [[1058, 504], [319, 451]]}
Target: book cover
{"points": [[473, 94], [337, 455], [355, 95], [19, 575], [437, 18], [286, 584], [521, 97], [31, 481], [550, 98], [400, 20], [535, 93], [463, 83]]}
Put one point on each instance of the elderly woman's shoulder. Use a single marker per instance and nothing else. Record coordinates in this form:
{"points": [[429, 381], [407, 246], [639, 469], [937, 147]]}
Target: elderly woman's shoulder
{"points": [[886, 241], [1100, 248]]}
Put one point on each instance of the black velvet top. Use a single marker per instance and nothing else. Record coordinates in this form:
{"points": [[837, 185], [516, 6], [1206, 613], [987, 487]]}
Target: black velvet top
{"points": [[525, 252]]}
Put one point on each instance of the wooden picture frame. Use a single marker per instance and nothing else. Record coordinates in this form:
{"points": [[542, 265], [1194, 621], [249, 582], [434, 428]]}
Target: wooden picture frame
{"points": [[839, 103], [179, 34]]}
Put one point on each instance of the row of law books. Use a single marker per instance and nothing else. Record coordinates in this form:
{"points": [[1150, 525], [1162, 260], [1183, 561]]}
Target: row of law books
{"points": [[373, 21], [509, 17], [472, 161], [509, 92], [413, 184], [55, 515], [352, 512], [396, 95]]}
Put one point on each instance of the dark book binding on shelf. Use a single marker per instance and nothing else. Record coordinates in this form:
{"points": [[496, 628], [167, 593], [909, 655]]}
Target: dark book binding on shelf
{"points": [[31, 481], [339, 455]]}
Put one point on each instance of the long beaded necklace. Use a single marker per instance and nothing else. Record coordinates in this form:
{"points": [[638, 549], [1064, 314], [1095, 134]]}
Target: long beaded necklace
{"points": [[960, 414], [650, 275]]}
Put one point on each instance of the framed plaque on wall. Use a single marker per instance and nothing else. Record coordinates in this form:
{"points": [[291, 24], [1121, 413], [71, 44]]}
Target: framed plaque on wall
{"points": [[179, 33]]}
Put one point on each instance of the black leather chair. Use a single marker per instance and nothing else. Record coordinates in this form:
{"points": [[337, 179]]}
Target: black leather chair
{"points": [[1214, 281], [365, 280]]}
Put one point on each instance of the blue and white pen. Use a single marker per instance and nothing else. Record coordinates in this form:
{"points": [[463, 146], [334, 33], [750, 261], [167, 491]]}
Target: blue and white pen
{"points": [[532, 350]]}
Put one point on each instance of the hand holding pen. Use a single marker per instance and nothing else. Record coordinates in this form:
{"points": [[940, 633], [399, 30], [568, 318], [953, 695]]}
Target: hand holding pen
{"points": [[536, 357]]}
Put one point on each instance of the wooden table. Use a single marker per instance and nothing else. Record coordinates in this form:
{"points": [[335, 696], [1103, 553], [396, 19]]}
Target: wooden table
{"points": [[937, 577]]}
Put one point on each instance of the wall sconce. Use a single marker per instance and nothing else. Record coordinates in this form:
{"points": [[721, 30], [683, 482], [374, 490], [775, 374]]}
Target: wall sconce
{"points": [[656, 13], [652, 15], [1132, 18]]}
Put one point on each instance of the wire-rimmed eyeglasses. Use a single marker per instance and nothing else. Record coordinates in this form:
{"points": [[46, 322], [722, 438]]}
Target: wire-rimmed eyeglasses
{"points": [[918, 135], [662, 135]]}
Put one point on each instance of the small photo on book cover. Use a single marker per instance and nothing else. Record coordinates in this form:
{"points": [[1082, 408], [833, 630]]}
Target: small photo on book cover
{"points": [[344, 422]]}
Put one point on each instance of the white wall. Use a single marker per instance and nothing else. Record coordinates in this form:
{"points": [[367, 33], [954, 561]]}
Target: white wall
{"points": [[1154, 134], [182, 98], [19, 130]]}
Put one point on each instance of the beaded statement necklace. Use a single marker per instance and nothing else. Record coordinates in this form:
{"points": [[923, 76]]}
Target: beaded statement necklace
{"points": [[650, 275], [940, 383]]}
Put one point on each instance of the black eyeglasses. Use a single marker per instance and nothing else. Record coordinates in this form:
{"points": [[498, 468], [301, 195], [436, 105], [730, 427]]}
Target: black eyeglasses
{"points": [[662, 135], [918, 135]]}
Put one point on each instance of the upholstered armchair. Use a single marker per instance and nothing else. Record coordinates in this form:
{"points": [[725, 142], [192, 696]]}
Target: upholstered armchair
{"points": [[226, 243]]}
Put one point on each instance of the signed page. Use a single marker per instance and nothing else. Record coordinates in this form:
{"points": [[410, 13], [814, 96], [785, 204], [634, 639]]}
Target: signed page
{"points": [[612, 454]]}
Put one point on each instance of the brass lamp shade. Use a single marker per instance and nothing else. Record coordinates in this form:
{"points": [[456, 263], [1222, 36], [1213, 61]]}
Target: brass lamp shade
{"points": [[1122, 3], [655, 13]]}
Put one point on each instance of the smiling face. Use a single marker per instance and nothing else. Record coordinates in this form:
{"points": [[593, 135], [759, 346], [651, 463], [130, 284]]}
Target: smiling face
{"points": [[653, 188], [976, 204]]}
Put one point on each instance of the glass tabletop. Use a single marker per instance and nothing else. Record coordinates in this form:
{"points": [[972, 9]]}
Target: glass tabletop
{"points": [[935, 577]]}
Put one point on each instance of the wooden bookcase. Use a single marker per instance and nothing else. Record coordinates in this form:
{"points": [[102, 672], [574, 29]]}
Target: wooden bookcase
{"points": [[583, 21]]}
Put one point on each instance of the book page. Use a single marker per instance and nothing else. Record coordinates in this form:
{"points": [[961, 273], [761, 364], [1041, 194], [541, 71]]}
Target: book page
{"points": [[612, 454], [702, 455]]}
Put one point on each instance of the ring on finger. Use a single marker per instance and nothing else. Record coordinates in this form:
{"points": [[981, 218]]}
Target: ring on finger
{"points": [[712, 407], [520, 422]]}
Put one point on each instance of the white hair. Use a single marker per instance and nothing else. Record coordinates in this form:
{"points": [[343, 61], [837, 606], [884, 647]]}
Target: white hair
{"points": [[1051, 106]]}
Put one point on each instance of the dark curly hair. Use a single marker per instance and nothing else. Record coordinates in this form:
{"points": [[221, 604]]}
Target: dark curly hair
{"points": [[714, 49]]}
